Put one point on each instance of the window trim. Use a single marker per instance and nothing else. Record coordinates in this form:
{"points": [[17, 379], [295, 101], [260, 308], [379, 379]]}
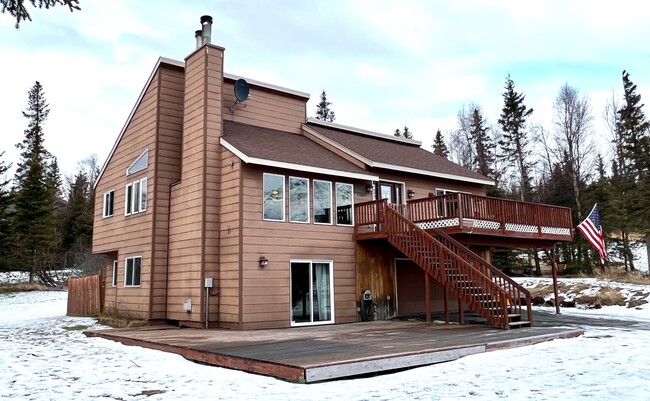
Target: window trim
{"points": [[308, 200], [336, 205], [131, 196], [111, 195], [137, 159], [331, 222], [283, 218], [311, 262], [114, 277], [126, 269]]}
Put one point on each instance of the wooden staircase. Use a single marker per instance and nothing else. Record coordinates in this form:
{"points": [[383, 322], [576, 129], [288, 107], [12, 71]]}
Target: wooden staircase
{"points": [[479, 285]]}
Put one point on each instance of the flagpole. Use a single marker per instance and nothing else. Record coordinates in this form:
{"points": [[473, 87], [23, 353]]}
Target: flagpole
{"points": [[555, 290]]}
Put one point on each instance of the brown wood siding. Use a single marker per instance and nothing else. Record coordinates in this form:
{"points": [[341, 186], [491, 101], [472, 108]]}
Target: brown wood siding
{"points": [[265, 109], [375, 268], [194, 207], [128, 236], [422, 185], [226, 308], [265, 291], [411, 295], [168, 168]]}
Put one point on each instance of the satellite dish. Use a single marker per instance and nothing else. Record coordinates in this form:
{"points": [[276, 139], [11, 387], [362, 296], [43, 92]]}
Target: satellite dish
{"points": [[241, 90]]}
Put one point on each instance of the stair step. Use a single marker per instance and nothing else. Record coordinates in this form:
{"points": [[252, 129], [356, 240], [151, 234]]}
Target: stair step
{"points": [[520, 323]]}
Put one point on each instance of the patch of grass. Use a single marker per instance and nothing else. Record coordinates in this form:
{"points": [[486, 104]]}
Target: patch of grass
{"points": [[23, 287], [578, 288], [79, 327], [113, 318], [624, 277], [149, 393], [636, 302], [606, 296]]}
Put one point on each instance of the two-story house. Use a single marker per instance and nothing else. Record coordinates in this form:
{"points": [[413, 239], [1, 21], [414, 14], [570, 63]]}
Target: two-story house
{"points": [[222, 205]]}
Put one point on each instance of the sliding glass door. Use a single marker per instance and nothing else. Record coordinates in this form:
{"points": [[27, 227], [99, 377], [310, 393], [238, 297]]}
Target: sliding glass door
{"points": [[312, 295]]}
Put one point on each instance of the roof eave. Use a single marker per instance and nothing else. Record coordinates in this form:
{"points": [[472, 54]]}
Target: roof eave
{"points": [[363, 132], [433, 174]]}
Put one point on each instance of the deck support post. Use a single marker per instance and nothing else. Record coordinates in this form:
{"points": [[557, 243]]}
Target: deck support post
{"points": [[554, 270], [446, 299], [427, 297]]}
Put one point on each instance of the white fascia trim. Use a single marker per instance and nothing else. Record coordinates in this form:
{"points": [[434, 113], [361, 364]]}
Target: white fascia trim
{"points": [[364, 132], [298, 167], [433, 174], [268, 86], [161, 60], [337, 145]]}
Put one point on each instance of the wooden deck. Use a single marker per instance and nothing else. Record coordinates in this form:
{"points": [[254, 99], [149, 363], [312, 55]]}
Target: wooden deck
{"points": [[313, 354]]}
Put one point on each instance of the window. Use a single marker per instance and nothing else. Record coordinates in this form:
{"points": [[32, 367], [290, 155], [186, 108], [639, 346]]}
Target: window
{"points": [[273, 197], [132, 271], [298, 200], [344, 201], [322, 202], [115, 273], [135, 199], [312, 295], [109, 200], [139, 164]]}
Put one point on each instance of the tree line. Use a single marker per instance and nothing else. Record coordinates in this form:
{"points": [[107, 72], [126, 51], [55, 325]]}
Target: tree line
{"points": [[561, 164], [45, 220]]}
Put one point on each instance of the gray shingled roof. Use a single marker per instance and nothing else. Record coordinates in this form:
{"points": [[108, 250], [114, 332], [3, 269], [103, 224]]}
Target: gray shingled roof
{"points": [[285, 147], [386, 151]]}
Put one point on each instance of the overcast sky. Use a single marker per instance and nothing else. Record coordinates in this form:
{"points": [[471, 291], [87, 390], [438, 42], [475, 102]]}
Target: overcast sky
{"points": [[383, 64]]}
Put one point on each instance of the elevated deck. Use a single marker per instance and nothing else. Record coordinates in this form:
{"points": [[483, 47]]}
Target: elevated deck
{"points": [[313, 354], [474, 219]]}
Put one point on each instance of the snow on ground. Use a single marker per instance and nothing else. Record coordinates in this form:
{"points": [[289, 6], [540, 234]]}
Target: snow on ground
{"points": [[45, 356]]}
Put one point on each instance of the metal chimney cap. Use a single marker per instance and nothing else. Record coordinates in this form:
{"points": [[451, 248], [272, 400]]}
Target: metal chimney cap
{"points": [[206, 18], [198, 33]]}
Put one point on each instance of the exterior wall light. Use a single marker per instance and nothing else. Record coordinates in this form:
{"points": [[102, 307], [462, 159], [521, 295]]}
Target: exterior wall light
{"points": [[263, 261], [410, 193]]}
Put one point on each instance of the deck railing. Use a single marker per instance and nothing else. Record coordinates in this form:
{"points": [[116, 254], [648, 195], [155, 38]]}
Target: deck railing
{"points": [[491, 214]]}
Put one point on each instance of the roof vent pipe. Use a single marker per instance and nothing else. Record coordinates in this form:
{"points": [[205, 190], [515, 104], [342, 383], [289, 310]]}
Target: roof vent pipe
{"points": [[206, 25], [198, 36]]}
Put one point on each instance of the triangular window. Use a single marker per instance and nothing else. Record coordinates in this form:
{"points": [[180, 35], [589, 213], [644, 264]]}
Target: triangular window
{"points": [[139, 164]]}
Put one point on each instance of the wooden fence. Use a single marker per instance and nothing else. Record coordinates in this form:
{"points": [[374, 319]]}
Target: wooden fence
{"points": [[85, 296]]}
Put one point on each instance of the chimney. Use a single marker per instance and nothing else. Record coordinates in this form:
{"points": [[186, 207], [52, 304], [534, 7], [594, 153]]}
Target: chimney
{"points": [[206, 26], [198, 36]]}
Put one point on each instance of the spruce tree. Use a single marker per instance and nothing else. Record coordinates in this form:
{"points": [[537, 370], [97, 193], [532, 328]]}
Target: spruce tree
{"points": [[16, 8], [404, 134], [323, 111], [6, 246], [439, 146], [514, 140], [634, 131], [78, 216], [484, 148], [35, 220]]}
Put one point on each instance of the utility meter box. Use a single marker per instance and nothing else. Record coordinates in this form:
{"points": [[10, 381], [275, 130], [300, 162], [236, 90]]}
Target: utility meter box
{"points": [[367, 295], [208, 282]]}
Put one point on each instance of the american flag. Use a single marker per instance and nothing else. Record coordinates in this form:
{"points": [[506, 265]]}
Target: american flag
{"points": [[591, 229]]}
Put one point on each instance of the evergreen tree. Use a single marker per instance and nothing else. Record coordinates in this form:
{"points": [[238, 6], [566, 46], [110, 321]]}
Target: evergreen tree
{"points": [[16, 8], [634, 132], [323, 111], [514, 141], [6, 246], [439, 146], [78, 216], [483, 146], [404, 134], [35, 220]]}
